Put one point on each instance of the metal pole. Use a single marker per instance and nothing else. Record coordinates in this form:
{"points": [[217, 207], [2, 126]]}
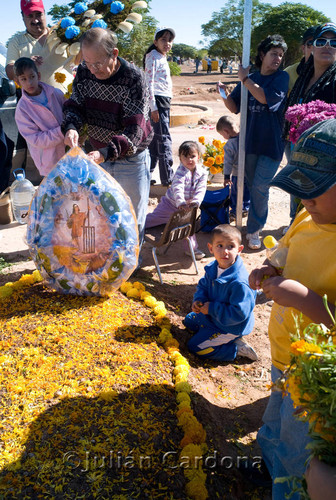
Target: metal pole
{"points": [[243, 111]]}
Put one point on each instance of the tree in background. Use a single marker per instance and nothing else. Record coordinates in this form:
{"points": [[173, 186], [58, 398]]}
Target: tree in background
{"points": [[225, 29], [289, 20], [184, 51]]}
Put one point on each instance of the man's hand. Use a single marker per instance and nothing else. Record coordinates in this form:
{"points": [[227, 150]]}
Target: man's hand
{"points": [[96, 156], [155, 116], [38, 60], [71, 138]]}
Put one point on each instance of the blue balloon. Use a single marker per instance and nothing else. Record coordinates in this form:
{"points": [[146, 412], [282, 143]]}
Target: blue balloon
{"points": [[71, 32], [106, 2], [80, 7], [67, 21], [99, 23], [117, 7]]}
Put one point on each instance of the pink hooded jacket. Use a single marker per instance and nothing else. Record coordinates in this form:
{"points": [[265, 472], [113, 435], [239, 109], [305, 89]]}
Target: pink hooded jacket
{"points": [[41, 127]]}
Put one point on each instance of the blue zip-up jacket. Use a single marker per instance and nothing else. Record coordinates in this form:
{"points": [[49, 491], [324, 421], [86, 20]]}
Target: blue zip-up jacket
{"points": [[231, 299]]}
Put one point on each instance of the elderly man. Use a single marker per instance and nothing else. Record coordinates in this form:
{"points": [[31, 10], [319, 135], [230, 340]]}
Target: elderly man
{"points": [[34, 43], [111, 97]]}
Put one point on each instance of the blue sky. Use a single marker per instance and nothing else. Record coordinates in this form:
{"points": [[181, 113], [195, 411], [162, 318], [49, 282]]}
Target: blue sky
{"points": [[185, 16]]}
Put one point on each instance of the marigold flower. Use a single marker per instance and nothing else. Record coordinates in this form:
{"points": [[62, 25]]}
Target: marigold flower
{"points": [[183, 387], [210, 161], [219, 159], [196, 490], [201, 139], [5, 291], [150, 302], [125, 287], [139, 286], [60, 77], [183, 396]]}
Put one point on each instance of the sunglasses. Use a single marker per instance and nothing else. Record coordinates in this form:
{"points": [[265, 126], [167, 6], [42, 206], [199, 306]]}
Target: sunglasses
{"points": [[321, 42], [309, 43]]}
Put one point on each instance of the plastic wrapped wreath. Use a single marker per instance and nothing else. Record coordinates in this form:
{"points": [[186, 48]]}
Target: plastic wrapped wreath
{"points": [[82, 231], [98, 14]]}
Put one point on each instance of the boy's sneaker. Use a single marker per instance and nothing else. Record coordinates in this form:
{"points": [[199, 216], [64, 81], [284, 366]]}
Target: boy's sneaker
{"points": [[198, 254], [245, 350], [253, 240]]}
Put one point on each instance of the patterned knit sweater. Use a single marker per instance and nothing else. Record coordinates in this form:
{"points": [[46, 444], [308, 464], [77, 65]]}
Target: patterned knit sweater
{"points": [[116, 111]]}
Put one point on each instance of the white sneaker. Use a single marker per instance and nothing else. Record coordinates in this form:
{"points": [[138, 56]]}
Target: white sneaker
{"points": [[253, 240], [198, 254], [245, 350]]}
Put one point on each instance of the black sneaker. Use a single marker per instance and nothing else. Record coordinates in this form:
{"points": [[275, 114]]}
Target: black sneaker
{"points": [[256, 473]]}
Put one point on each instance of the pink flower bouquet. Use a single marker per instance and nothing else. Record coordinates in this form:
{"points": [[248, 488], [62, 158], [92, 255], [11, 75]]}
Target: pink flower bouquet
{"points": [[304, 116]]}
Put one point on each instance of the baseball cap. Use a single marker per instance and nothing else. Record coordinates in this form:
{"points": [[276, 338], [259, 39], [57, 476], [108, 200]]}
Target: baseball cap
{"points": [[308, 34], [323, 28], [312, 166], [29, 6], [163, 28]]}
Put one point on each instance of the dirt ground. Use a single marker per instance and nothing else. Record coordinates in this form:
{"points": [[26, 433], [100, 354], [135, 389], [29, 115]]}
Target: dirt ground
{"points": [[229, 398]]}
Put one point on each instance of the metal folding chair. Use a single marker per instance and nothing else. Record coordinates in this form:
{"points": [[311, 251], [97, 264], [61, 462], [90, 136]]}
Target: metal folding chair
{"points": [[180, 226]]}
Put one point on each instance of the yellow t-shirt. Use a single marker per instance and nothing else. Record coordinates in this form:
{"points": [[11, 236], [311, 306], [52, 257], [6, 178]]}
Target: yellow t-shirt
{"points": [[24, 45], [311, 260], [291, 70]]}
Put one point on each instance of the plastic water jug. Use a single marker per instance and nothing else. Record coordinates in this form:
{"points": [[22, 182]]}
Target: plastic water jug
{"points": [[21, 194]]}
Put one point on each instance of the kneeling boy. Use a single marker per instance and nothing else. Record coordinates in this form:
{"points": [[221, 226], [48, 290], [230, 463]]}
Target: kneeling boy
{"points": [[223, 303]]}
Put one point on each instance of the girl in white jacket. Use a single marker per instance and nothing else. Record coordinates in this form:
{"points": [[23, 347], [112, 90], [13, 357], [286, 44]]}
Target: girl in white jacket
{"points": [[159, 83]]}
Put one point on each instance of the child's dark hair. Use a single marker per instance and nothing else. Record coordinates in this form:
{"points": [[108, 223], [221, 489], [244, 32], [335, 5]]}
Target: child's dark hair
{"points": [[270, 42], [188, 147], [226, 122], [160, 34], [226, 230], [22, 64]]}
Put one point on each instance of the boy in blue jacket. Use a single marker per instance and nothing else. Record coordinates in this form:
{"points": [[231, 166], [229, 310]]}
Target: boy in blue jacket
{"points": [[222, 309]]}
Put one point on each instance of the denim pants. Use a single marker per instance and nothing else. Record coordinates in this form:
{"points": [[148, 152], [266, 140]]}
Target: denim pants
{"points": [[208, 342], [233, 195], [161, 147], [283, 440], [132, 173], [259, 171]]}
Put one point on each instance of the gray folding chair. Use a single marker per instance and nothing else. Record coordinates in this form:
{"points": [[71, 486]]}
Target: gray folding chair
{"points": [[180, 226]]}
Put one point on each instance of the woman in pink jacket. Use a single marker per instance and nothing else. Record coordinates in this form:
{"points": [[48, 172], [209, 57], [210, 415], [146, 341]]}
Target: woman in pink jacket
{"points": [[39, 116]]}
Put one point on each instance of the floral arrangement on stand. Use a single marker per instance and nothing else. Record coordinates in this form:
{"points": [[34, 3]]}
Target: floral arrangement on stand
{"points": [[304, 116], [87, 374], [310, 380], [98, 14], [214, 155]]}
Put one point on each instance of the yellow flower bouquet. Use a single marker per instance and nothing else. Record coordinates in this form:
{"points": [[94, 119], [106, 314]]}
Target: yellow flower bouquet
{"points": [[214, 155], [310, 380]]}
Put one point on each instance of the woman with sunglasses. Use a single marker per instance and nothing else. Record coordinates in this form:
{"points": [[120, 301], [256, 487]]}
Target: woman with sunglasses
{"points": [[318, 77], [317, 80]]}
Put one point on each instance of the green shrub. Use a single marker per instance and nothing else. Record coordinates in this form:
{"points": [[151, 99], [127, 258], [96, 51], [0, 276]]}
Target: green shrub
{"points": [[175, 69]]}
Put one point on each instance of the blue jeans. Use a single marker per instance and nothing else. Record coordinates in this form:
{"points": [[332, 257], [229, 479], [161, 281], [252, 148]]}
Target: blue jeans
{"points": [[208, 342], [161, 147], [259, 171], [132, 173], [233, 195], [283, 440]]}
